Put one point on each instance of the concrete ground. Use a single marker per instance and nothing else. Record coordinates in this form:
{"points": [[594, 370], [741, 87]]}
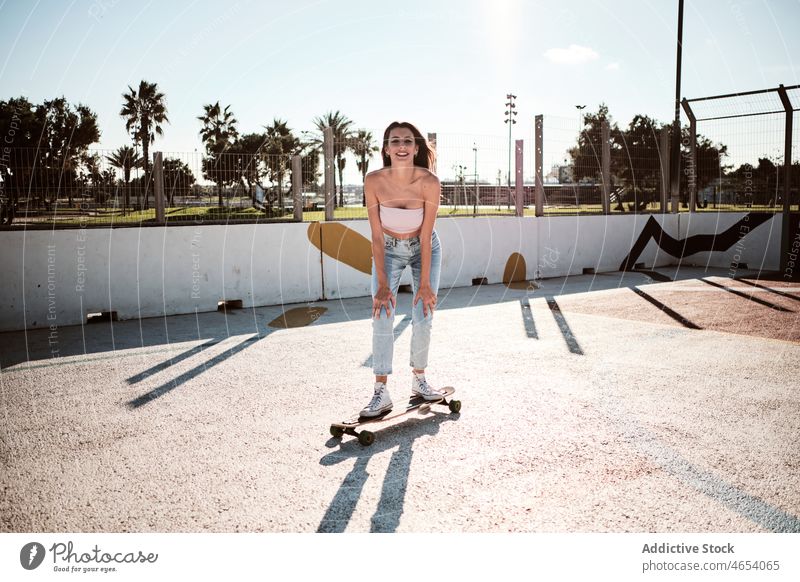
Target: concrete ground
{"points": [[617, 402]]}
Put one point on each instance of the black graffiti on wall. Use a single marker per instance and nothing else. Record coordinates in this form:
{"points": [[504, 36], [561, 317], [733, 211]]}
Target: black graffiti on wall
{"points": [[693, 244]]}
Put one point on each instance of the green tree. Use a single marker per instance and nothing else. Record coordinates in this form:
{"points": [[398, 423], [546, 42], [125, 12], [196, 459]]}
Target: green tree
{"points": [[587, 153], [638, 164], [218, 133], [67, 133], [125, 159], [362, 145], [635, 163], [20, 127], [309, 151], [280, 146], [248, 161], [756, 184], [340, 125], [178, 178], [144, 110], [46, 144], [100, 181]]}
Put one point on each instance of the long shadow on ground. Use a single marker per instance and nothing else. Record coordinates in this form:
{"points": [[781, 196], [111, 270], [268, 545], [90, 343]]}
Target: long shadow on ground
{"points": [[399, 437]]}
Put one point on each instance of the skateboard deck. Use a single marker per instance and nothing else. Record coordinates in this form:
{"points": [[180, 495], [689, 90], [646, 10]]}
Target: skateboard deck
{"points": [[366, 437]]}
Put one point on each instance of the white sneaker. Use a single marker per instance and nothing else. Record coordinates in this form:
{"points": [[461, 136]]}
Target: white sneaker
{"points": [[420, 387], [381, 402]]}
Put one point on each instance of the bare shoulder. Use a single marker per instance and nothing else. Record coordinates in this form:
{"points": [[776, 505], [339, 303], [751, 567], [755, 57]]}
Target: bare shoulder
{"points": [[430, 180], [375, 175]]}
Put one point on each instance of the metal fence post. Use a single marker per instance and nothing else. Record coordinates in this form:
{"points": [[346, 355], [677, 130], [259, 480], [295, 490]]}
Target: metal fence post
{"points": [[786, 237], [297, 188], [518, 178], [158, 183], [330, 193], [605, 162], [538, 160], [664, 163]]}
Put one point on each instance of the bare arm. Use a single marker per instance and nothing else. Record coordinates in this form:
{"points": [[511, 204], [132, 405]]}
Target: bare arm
{"points": [[376, 228], [383, 296], [431, 192]]}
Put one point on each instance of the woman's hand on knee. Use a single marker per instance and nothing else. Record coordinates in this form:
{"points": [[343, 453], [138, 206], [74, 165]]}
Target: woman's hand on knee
{"points": [[382, 300], [428, 298]]}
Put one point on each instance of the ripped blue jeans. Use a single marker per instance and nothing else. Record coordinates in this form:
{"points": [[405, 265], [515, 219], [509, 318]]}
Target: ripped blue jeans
{"points": [[398, 254]]}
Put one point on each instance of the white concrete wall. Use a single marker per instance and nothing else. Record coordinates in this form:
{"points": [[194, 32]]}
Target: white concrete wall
{"points": [[759, 247], [58, 277], [480, 248], [568, 244], [471, 248]]}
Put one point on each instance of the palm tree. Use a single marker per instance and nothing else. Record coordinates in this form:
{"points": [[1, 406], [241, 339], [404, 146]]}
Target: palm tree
{"points": [[218, 133], [362, 147], [144, 112], [125, 159], [340, 126], [281, 144]]}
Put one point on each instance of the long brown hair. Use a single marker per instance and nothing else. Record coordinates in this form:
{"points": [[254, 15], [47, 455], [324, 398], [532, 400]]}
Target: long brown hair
{"points": [[426, 156]]}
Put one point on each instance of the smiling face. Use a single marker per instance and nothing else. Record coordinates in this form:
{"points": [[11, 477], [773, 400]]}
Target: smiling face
{"points": [[401, 147]]}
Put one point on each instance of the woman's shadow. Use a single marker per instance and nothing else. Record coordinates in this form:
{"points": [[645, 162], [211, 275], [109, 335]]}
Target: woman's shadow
{"points": [[390, 506]]}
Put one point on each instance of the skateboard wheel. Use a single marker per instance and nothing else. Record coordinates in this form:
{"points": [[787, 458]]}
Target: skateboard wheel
{"points": [[425, 409], [455, 406], [337, 431], [366, 438]]}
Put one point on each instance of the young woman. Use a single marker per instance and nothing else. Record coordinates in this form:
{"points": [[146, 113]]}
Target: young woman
{"points": [[402, 202]]}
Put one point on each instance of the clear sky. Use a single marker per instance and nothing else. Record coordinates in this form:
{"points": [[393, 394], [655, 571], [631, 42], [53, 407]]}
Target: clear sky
{"points": [[444, 65]]}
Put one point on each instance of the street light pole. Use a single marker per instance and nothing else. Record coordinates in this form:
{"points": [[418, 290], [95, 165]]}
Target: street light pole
{"points": [[510, 113], [475, 169], [580, 109]]}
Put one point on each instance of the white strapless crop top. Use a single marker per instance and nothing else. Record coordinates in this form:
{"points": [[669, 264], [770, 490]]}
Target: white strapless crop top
{"points": [[401, 220]]}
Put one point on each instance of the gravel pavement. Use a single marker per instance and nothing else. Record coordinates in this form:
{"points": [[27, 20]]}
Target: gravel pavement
{"points": [[585, 409]]}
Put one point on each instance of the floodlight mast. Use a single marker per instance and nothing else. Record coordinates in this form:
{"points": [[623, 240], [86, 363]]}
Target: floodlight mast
{"points": [[510, 113]]}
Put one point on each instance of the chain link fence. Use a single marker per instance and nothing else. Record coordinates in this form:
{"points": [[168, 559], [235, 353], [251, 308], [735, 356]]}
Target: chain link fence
{"points": [[585, 165]]}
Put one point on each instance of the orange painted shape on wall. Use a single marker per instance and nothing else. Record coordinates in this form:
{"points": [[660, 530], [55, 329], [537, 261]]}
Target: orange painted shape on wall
{"points": [[343, 244], [514, 273]]}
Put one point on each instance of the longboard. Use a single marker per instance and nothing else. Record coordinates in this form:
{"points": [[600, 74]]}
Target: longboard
{"points": [[366, 438]]}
